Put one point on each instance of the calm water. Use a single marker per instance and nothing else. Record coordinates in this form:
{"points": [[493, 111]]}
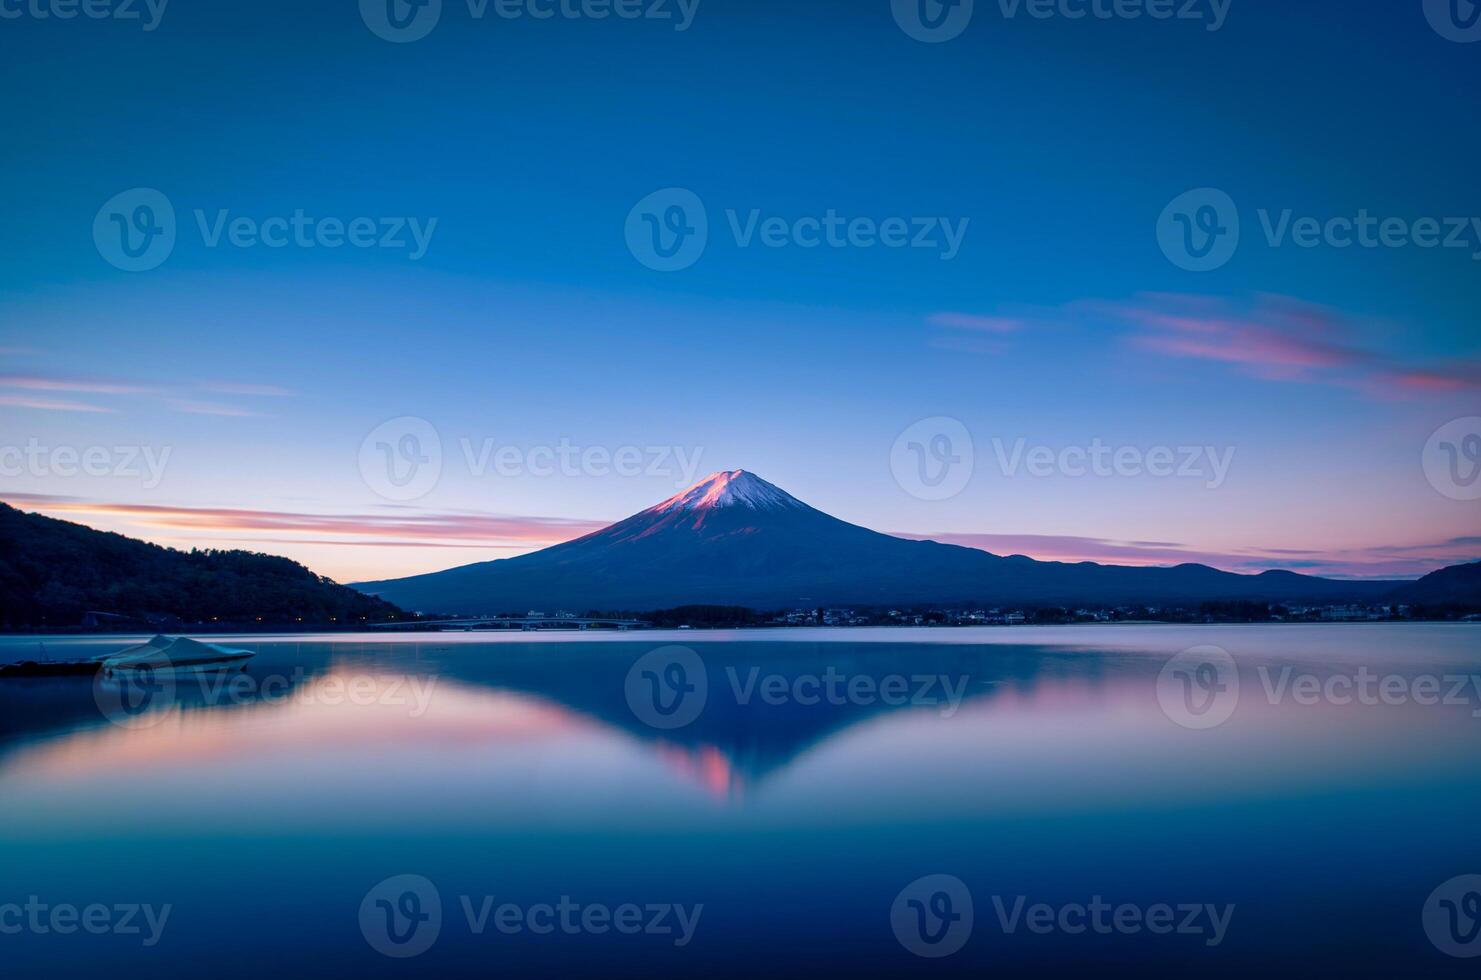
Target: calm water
{"points": [[755, 803]]}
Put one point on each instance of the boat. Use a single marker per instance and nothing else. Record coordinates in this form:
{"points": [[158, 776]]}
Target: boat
{"points": [[175, 655], [47, 667]]}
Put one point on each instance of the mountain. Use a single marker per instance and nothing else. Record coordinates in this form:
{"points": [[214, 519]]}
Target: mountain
{"points": [[1458, 585], [735, 539], [54, 573]]}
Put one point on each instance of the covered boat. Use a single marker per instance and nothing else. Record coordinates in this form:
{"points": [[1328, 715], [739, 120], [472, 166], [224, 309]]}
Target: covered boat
{"points": [[177, 655]]}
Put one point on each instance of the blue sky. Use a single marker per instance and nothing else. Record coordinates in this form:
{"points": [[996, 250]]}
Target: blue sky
{"points": [[1053, 144]]}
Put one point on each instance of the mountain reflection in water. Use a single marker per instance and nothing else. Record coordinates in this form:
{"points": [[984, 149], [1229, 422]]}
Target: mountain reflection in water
{"points": [[794, 806]]}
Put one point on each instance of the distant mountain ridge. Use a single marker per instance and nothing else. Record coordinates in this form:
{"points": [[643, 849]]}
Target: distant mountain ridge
{"points": [[1456, 585], [735, 539], [54, 573]]}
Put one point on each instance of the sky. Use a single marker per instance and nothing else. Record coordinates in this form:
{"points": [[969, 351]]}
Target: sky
{"points": [[289, 277]]}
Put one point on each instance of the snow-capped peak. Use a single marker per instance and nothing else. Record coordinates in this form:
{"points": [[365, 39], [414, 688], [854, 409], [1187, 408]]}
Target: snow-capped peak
{"points": [[730, 488]]}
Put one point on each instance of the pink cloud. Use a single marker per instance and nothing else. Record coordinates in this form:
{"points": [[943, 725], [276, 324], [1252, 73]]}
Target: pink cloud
{"points": [[1277, 338], [1385, 561], [1245, 343], [1282, 339], [50, 404], [1456, 378], [1273, 338], [371, 543], [175, 399], [35, 382], [451, 529], [986, 324]]}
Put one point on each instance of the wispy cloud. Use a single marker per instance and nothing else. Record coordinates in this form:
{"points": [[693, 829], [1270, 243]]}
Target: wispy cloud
{"points": [[50, 404], [984, 324], [1456, 378], [441, 528], [177, 398], [37, 382], [1386, 561], [973, 333], [477, 545], [1277, 338], [1273, 338]]}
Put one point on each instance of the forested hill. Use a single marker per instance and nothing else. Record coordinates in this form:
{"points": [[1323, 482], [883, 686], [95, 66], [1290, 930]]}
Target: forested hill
{"points": [[56, 573]]}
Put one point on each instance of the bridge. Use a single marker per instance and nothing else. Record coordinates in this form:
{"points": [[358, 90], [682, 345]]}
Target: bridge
{"points": [[520, 622]]}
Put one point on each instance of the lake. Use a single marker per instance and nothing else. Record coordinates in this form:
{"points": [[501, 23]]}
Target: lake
{"points": [[1126, 800]]}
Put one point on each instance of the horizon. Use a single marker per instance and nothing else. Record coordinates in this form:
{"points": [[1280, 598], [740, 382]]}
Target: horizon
{"points": [[718, 486], [510, 323]]}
